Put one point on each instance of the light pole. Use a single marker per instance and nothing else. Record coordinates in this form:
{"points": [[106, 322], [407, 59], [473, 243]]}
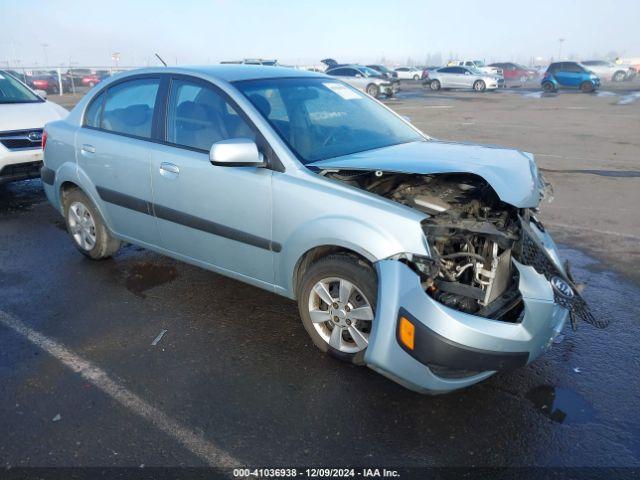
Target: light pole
{"points": [[46, 58], [560, 42], [115, 56]]}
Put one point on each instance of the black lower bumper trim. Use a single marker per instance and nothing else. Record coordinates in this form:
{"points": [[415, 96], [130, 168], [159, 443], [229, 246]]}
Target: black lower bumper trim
{"points": [[432, 348], [48, 175]]}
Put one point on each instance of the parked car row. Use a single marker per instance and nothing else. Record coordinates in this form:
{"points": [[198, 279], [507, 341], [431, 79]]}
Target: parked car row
{"points": [[50, 82]]}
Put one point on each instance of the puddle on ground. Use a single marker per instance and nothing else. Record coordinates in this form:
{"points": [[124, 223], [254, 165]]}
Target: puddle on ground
{"points": [[20, 196], [606, 94], [561, 404], [602, 173], [631, 98], [144, 276]]}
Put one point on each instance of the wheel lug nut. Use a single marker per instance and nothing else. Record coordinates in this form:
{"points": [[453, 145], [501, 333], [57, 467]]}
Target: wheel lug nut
{"points": [[335, 305], [348, 322], [347, 308], [335, 319]]}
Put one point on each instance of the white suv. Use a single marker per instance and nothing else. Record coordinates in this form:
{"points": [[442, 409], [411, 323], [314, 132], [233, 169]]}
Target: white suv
{"points": [[23, 115]]}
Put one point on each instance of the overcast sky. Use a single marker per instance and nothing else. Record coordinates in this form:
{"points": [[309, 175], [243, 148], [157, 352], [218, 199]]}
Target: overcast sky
{"points": [[205, 31]]}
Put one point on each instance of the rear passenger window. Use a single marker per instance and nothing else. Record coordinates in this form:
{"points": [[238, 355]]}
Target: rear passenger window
{"points": [[198, 117], [129, 107], [92, 115]]}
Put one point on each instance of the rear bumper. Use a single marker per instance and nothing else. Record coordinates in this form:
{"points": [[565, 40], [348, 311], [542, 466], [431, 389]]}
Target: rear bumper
{"points": [[447, 340], [19, 164]]}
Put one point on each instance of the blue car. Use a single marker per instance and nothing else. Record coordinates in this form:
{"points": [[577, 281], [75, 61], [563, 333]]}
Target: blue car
{"points": [[422, 259], [569, 75]]}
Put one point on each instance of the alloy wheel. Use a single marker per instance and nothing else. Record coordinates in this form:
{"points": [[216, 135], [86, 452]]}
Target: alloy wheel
{"points": [[82, 226], [341, 314]]}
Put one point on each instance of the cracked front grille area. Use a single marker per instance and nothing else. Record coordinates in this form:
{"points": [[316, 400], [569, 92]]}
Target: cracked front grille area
{"points": [[533, 254]]}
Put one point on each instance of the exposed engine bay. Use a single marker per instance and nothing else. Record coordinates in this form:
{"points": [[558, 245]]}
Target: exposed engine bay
{"points": [[472, 237]]}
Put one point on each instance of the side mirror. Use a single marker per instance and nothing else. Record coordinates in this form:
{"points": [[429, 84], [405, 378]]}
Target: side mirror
{"points": [[467, 72], [236, 152], [358, 75], [41, 93]]}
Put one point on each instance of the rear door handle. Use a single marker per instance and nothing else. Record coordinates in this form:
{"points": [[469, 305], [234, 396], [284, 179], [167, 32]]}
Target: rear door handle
{"points": [[86, 148], [169, 169]]}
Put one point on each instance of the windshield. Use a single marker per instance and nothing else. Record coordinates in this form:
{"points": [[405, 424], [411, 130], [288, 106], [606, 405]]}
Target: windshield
{"points": [[478, 63], [12, 91], [370, 72], [320, 118]]}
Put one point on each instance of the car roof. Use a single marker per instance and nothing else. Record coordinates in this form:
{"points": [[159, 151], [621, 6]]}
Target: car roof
{"points": [[229, 73]]}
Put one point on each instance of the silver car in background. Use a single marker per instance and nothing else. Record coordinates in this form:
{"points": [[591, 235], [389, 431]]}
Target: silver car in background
{"points": [[366, 79], [463, 77]]}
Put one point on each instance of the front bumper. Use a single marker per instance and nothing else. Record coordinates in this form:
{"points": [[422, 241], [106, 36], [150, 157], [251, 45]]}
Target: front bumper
{"points": [[447, 340], [19, 164]]}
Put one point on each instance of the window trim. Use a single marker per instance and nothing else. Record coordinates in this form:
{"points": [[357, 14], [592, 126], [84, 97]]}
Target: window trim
{"points": [[106, 89]]}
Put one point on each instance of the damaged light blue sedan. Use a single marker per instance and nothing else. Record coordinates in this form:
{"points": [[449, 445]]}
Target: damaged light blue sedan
{"points": [[421, 259]]}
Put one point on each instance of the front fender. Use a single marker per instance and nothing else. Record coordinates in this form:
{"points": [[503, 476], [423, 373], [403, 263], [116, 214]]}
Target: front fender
{"points": [[347, 232]]}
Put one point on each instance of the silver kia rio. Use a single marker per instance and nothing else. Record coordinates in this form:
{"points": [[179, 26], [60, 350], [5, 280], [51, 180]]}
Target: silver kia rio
{"points": [[419, 258]]}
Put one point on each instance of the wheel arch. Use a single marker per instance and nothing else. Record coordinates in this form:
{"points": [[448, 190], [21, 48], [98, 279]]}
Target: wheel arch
{"points": [[316, 253]]}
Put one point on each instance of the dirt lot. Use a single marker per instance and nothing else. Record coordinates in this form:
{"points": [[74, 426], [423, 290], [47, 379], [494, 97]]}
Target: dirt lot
{"points": [[235, 378]]}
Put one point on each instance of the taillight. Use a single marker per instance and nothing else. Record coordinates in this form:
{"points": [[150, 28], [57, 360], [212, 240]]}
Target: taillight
{"points": [[40, 83], [44, 139]]}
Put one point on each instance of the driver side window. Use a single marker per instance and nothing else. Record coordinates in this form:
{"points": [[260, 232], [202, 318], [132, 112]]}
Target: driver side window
{"points": [[198, 116]]}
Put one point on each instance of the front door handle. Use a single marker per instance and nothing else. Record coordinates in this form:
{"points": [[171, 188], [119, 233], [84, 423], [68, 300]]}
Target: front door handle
{"points": [[169, 169], [86, 148]]}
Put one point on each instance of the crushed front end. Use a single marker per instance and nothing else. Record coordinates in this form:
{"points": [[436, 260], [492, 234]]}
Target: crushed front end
{"points": [[491, 296]]}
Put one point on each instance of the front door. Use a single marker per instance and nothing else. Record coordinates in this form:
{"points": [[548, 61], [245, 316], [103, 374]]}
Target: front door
{"points": [[212, 215]]}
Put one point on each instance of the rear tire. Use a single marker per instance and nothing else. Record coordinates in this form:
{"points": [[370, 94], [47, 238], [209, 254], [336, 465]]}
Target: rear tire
{"points": [[334, 273], [523, 79], [373, 90], [416, 77], [479, 86], [587, 87], [87, 228], [548, 87], [619, 76], [435, 85]]}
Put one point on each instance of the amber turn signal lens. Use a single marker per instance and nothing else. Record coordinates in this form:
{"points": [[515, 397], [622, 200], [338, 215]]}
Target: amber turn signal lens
{"points": [[407, 333]]}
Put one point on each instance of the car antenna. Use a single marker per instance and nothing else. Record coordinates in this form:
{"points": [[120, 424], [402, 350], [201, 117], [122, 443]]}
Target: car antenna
{"points": [[160, 58]]}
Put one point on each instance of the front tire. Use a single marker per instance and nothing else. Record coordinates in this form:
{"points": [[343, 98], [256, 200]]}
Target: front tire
{"points": [[336, 300], [416, 78], [373, 90], [479, 86], [435, 85], [587, 87], [87, 228]]}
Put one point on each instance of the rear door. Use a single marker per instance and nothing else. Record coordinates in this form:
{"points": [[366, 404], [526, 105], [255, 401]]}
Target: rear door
{"points": [[208, 214], [112, 149]]}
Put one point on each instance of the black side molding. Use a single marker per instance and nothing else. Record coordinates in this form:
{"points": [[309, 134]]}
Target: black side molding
{"points": [[432, 348], [48, 176], [181, 218]]}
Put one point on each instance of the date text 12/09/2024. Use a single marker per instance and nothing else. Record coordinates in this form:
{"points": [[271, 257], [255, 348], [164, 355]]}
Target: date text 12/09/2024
{"points": [[315, 473]]}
